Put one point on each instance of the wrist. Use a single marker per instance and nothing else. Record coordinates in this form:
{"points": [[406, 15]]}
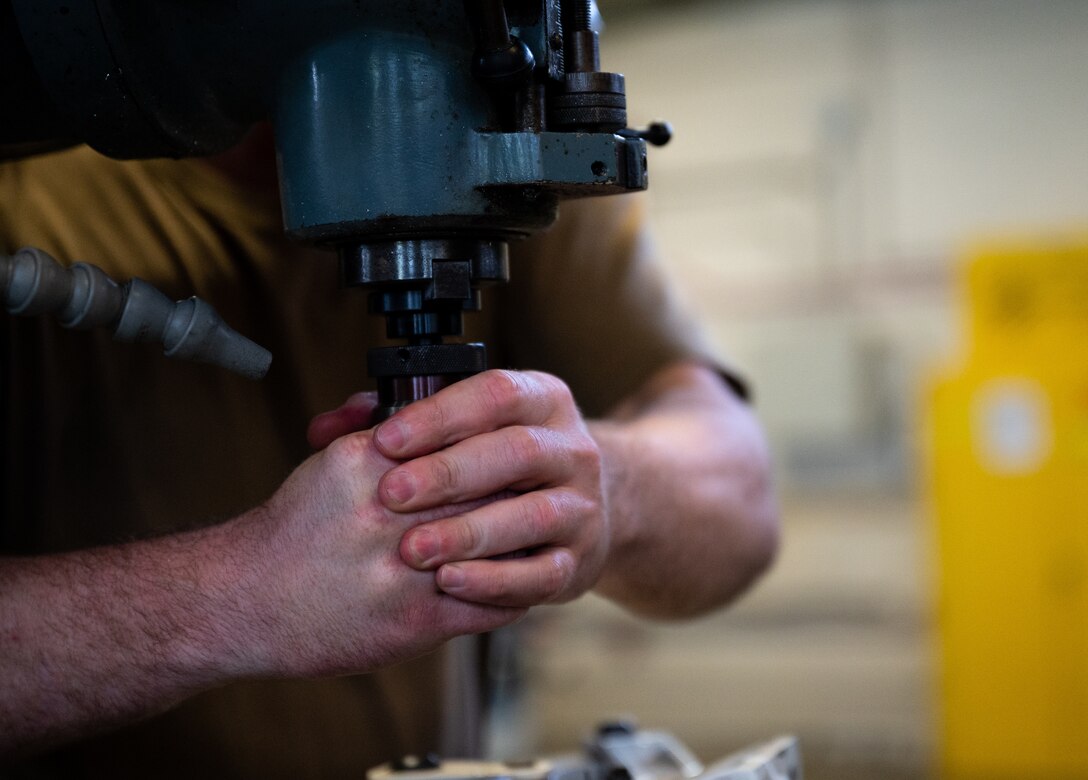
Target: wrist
{"points": [[619, 486], [191, 603], [230, 613]]}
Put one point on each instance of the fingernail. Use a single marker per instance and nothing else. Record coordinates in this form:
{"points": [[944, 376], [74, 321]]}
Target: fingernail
{"points": [[450, 577], [424, 546], [399, 486], [390, 435]]}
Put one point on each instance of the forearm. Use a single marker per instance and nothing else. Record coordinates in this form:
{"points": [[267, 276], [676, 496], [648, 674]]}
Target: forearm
{"points": [[93, 639], [692, 516], [310, 584]]}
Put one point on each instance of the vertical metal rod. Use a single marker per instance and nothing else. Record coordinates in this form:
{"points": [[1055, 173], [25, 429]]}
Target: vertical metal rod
{"points": [[582, 54]]}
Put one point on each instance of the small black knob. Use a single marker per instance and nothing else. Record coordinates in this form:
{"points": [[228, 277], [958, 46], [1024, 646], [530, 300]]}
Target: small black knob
{"points": [[657, 134]]}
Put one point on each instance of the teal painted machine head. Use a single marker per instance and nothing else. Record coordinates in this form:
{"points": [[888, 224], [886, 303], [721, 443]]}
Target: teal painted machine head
{"points": [[415, 137]]}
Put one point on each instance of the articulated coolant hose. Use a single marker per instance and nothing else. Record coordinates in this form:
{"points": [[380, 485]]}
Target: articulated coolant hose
{"points": [[83, 296]]}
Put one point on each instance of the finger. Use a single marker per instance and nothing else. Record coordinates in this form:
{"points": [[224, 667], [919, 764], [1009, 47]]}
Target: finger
{"points": [[517, 458], [431, 617], [521, 582], [543, 517], [479, 404], [355, 414], [442, 512], [460, 617]]}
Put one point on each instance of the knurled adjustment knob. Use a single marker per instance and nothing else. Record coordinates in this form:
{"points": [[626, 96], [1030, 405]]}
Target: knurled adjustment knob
{"points": [[594, 100]]}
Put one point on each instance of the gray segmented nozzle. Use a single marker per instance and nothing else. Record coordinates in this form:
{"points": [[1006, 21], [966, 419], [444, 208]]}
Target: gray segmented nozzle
{"points": [[83, 296]]}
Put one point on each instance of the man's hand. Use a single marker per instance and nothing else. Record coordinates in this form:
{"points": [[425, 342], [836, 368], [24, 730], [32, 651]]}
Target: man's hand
{"points": [[519, 437], [665, 506], [326, 590], [518, 434]]}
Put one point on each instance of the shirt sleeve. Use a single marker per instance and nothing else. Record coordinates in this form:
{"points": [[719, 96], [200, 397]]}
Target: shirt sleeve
{"points": [[589, 302]]}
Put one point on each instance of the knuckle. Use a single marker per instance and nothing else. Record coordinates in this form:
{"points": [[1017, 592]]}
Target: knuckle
{"points": [[432, 412], [525, 444], [557, 391], [586, 454], [444, 472], [582, 456], [557, 575], [542, 511], [498, 583], [349, 450], [502, 388], [594, 506], [471, 538]]}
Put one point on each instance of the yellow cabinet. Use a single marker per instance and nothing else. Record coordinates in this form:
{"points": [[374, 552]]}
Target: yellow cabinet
{"points": [[1008, 477]]}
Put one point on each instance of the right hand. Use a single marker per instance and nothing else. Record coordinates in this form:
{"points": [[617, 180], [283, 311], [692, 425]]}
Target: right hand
{"points": [[326, 591]]}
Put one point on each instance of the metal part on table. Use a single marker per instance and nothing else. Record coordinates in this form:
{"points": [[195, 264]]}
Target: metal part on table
{"points": [[618, 752], [779, 759], [642, 755]]}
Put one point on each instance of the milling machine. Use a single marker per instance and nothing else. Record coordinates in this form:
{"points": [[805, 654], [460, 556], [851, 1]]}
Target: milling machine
{"points": [[416, 139]]}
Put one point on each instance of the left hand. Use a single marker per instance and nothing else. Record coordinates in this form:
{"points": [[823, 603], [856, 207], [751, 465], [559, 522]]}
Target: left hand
{"points": [[516, 433]]}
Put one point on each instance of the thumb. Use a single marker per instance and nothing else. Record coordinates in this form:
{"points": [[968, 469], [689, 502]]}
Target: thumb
{"points": [[355, 414]]}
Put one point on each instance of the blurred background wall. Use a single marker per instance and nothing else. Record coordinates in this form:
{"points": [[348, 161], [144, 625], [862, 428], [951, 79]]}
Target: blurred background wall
{"points": [[831, 161]]}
